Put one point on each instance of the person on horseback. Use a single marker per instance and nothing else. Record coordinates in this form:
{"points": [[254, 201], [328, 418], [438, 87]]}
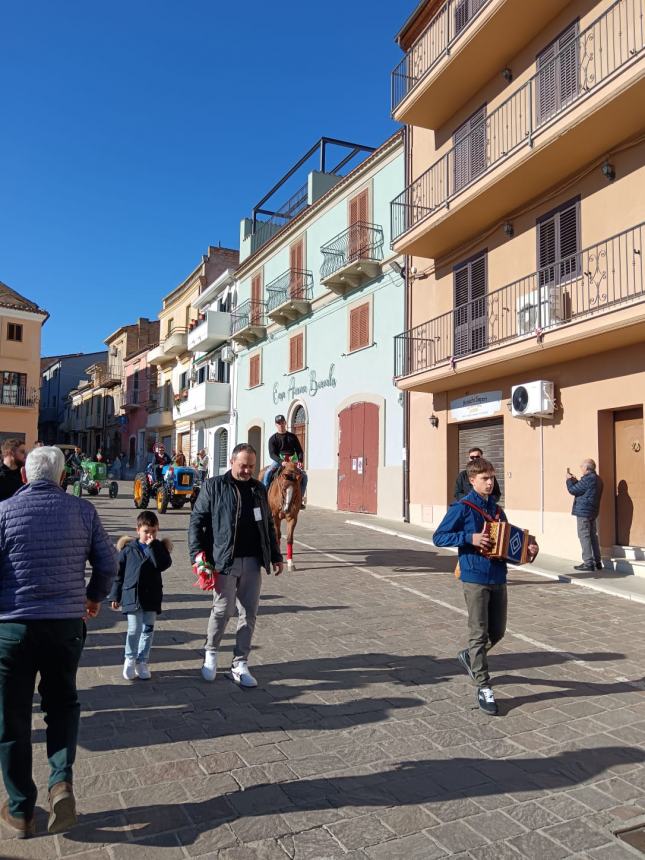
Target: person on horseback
{"points": [[283, 445]]}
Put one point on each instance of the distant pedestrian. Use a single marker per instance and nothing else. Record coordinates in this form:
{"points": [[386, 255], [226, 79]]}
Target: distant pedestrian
{"points": [[46, 539], [483, 578], [39, 443], [201, 464], [138, 591], [13, 461], [586, 504], [232, 536], [462, 484]]}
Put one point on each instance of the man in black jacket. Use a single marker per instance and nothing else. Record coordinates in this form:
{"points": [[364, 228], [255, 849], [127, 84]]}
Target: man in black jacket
{"points": [[285, 443], [13, 461], [462, 484], [232, 531]]}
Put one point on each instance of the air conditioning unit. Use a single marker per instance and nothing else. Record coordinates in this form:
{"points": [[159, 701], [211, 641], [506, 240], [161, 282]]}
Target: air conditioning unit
{"points": [[227, 355], [532, 399]]}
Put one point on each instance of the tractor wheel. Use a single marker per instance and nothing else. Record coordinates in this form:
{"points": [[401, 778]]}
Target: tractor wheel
{"points": [[177, 502], [92, 491], [77, 489], [141, 491], [162, 499], [113, 490]]}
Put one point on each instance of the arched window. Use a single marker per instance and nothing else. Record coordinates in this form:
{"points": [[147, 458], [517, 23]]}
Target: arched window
{"points": [[299, 427], [221, 451]]}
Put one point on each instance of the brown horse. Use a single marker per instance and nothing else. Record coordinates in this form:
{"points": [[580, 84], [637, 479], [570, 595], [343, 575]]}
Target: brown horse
{"points": [[285, 498]]}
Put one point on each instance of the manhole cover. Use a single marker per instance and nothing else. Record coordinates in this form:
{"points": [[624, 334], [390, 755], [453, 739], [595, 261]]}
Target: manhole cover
{"points": [[634, 837]]}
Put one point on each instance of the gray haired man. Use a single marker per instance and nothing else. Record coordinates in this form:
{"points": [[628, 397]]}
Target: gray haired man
{"points": [[587, 492], [46, 538]]}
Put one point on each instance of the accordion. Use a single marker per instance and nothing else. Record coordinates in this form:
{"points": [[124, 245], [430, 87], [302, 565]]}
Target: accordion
{"points": [[509, 542]]}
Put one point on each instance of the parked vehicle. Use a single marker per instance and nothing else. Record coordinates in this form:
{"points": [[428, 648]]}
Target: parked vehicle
{"points": [[94, 478], [167, 485]]}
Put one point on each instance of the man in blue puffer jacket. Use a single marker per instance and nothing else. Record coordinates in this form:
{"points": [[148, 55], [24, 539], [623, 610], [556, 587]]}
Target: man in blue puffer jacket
{"points": [[483, 578], [46, 538], [586, 504]]}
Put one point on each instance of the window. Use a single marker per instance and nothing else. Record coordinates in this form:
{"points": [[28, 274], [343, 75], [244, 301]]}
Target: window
{"points": [[221, 370], [202, 374], [359, 234], [297, 281], [359, 327], [558, 238], [170, 326], [254, 371], [470, 305], [183, 380], [296, 352], [470, 149], [224, 304], [557, 83], [14, 331], [14, 388], [188, 312], [465, 11], [256, 299], [221, 451], [135, 387]]}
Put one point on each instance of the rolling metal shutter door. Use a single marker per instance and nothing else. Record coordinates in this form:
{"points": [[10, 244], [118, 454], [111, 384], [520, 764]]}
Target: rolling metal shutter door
{"points": [[489, 436]]}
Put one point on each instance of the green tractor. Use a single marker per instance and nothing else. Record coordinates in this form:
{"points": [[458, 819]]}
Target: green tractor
{"points": [[94, 478]]}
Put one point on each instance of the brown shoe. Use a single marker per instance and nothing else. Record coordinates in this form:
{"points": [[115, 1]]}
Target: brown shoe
{"points": [[25, 827], [62, 808]]}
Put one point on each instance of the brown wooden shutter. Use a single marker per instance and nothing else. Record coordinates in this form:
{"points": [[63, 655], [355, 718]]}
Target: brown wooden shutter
{"points": [[300, 356], [256, 298], [293, 354], [359, 327], [254, 371], [470, 313], [358, 232], [296, 265]]}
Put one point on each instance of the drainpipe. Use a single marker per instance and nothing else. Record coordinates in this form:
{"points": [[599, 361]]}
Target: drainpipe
{"points": [[406, 317]]}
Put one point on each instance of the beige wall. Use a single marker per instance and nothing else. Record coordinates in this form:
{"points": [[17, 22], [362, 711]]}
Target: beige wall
{"points": [[21, 357]]}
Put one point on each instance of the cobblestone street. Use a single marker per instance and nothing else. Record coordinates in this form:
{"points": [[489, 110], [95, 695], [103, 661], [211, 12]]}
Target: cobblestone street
{"points": [[363, 738]]}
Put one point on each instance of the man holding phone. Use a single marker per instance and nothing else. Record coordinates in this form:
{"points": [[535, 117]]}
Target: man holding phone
{"points": [[587, 492]]}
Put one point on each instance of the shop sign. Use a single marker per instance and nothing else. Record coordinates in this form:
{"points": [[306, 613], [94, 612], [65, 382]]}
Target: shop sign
{"points": [[476, 406], [312, 388]]}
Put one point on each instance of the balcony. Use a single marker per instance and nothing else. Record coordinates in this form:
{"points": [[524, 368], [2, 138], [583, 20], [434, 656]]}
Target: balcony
{"points": [[289, 296], [248, 323], [352, 258], [18, 396], [587, 303], [159, 418], [209, 333], [437, 75], [204, 400], [173, 344], [109, 375], [566, 115]]}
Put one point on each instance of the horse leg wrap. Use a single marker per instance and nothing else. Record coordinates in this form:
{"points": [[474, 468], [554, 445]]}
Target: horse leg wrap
{"points": [[289, 551]]}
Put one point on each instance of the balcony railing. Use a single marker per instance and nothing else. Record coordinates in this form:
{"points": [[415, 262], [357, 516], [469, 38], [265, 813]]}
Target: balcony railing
{"points": [[602, 278], [448, 25], [293, 285], [18, 395], [110, 374], [249, 313], [607, 44], [360, 241]]}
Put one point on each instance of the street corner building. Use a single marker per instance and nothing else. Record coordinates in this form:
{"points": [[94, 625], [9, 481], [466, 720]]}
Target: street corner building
{"points": [[21, 323], [522, 222], [318, 305]]}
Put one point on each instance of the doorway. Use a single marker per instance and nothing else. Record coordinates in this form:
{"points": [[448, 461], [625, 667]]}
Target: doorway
{"points": [[183, 445], [255, 439], [358, 441], [489, 437], [629, 489], [299, 429]]}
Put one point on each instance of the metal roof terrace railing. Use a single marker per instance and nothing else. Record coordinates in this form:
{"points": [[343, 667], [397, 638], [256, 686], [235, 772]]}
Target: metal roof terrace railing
{"points": [[585, 61], [599, 279]]}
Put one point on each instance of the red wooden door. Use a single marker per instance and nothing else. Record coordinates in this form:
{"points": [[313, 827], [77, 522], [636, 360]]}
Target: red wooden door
{"points": [[358, 218], [296, 265], [358, 458]]}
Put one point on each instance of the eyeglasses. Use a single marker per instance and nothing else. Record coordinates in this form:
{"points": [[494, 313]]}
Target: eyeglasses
{"points": [[473, 456]]}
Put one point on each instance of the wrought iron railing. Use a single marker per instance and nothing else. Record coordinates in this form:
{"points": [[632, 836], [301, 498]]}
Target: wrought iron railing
{"points": [[249, 313], [436, 41], [18, 395], [599, 279], [292, 284], [112, 372], [360, 241], [607, 44]]}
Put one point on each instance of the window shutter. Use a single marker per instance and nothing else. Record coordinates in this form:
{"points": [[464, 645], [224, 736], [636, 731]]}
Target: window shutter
{"points": [[559, 244], [558, 74], [254, 371], [295, 353], [359, 327], [256, 298], [358, 218], [461, 311], [470, 310], [354, 328], [300, 357], [222, 452], [296, 265], [470, 149], [364, 325]]}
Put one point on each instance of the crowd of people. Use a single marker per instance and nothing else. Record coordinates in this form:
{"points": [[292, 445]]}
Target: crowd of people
{"points": [[45, 599]]}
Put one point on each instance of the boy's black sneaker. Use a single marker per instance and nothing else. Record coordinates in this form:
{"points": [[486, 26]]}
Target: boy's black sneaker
{"points": [[486, 701], [464, 659]]}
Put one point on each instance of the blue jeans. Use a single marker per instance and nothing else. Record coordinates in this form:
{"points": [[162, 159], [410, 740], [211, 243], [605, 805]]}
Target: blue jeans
{"points": [[138, 640], [271, 468]]}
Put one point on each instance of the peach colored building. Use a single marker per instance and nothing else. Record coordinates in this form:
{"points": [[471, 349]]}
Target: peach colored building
{"points": [[21, 322], [522, 233]]}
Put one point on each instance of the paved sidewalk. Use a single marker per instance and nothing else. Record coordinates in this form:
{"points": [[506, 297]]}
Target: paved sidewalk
{"points": [[363, 739]]}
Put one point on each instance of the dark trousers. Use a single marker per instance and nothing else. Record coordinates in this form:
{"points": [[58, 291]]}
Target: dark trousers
{"points": [[588, 536], [53, 649], [487, 609]]}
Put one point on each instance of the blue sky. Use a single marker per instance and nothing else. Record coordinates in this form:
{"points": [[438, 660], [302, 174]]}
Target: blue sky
{"points": [[136, 133]]}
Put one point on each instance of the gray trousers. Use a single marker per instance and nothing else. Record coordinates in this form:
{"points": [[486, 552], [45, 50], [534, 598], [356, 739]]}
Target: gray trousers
{"points": [[588, 536], [487, 609], [241, 589]]}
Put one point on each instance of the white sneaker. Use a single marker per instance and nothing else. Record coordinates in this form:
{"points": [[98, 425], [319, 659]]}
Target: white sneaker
{"points": [[209, 669], [128, 668], [142, 671], [241, 675]]}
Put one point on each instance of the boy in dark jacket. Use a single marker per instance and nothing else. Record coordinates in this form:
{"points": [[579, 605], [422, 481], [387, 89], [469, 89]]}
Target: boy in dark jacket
{"points": [[138, 591], [483, 578]]}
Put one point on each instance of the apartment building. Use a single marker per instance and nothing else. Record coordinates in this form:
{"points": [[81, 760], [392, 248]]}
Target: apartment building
{"points": [[59, 375], [522, 226], [181, 398], [318, 303], [21, 322], [138, 399]]}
